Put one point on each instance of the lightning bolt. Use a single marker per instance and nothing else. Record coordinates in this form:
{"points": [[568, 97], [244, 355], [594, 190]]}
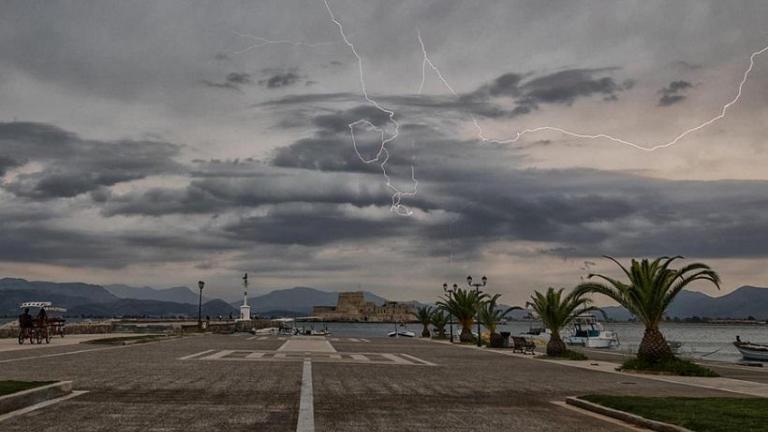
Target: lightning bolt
{"points": [[480, 134], [260, 42], [382, 156]]}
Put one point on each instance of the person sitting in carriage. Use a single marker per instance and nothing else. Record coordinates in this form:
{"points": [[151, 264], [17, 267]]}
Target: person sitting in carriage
{"points": [[25, 319], [42, 317]]}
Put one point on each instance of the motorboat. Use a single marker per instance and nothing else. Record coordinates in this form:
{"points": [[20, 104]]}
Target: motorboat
{"points": [[752, 351], [402, 333], [588, 332]]}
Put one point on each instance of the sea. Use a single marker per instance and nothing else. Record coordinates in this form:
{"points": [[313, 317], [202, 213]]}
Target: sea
{"points": [[698, 341]]}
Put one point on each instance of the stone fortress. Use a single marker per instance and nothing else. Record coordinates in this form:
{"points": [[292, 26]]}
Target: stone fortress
{"points": [[351, 306]]}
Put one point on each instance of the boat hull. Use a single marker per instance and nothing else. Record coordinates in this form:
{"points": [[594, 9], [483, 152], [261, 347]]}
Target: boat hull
{"points": [[753, 353], [409, 334]]}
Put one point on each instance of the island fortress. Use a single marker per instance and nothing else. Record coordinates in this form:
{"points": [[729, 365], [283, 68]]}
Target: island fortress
{"points": [[351, 306]]}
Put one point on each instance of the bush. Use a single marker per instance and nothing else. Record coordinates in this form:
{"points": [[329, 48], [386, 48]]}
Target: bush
{"points": [[670, 366]]}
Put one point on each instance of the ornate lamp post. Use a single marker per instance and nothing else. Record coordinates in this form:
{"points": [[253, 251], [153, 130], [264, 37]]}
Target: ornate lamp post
{"points": [[449, 293], [201, 285], [477, 289]]}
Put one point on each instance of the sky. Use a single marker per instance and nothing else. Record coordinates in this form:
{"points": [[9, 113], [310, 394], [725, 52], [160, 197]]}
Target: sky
{"points": [[162, 143]]}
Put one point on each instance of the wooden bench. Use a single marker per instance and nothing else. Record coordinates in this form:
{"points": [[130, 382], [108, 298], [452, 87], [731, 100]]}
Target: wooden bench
{"points": [[522, 345]]}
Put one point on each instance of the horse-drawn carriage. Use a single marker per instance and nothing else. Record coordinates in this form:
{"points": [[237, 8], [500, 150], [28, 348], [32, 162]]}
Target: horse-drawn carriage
{"points": [[46, 323]]}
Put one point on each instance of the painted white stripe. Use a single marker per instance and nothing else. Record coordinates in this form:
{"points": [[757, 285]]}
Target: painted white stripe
{"points": [[255, 355], [64, 353], [396, 359], [279, 355], [306, 421], [218, 355], [335, 339], [335, 356], [37, 406], [359, 357], [418, 360], [252, 338], [354, 340], [365, 340], [264, 338], [195, 355]]}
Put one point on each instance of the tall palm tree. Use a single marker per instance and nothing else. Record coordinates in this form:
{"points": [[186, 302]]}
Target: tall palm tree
{"points": [[648, 292], [439, 320], [557, 311], [463, 305], [490, 315], [424, 315]]}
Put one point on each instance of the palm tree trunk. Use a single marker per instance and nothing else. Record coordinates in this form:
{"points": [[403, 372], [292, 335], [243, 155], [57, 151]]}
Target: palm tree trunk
{"points": [[653, 347], [425, 333], [466, 335], [555, 347]]}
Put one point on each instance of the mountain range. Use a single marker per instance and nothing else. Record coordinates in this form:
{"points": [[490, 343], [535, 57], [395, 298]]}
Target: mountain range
{"points": [[83, 299], [744, 302]]}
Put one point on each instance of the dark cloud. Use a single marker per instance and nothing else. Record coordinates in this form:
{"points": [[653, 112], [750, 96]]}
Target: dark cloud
{"points": [[71, 165], [674, 92], [280, 80], [233, 81]]}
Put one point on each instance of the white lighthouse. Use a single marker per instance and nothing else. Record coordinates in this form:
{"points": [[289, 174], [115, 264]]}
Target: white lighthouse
{"points": [[245, 310]]}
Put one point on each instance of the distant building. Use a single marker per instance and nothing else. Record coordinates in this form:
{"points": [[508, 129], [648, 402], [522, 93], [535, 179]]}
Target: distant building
{"points": [[351, 306]]}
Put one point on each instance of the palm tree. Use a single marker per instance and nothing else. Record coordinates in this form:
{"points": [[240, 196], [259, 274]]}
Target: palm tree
{"points": [[490, 315], [439, 320], [424, 315], [557, 311], [650, 289], [463, 305]]}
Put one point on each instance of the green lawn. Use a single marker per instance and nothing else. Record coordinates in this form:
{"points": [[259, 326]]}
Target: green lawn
{"points": [[698, 414], [8, 387]]}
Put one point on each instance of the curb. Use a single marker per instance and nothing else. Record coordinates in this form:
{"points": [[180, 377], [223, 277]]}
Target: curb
{"points": [[22, 399], [625, 416]]}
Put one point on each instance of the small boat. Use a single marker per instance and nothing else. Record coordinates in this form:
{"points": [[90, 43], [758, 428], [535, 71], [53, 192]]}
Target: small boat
{"points": [[402, 333], [587, 331], [752, 351]]}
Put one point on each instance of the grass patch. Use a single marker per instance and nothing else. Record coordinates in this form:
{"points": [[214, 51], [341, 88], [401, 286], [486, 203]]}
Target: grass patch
{"points": [[669, 366], [126, 339], [8, 387], [568, 355], [699, 414]]}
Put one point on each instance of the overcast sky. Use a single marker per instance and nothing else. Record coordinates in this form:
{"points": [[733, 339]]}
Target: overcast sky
{"points": [[159, 143]]}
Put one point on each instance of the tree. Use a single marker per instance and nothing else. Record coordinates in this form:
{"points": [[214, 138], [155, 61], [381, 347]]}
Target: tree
{"points": [[650, 288], [463, 305], [490, 315], [439, 320], [557, 311], [424, 315]]}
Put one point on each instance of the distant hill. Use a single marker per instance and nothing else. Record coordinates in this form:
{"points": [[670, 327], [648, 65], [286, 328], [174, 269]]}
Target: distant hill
{"points": [[153, 308], [175, 294], [297, 301], [94, 293], [742, 303]]}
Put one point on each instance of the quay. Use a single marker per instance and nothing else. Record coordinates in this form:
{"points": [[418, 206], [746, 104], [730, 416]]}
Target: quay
{"points": [[243, 382]]}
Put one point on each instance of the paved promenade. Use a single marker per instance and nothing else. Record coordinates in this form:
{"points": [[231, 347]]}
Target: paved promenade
{"points": [[267, 383]]}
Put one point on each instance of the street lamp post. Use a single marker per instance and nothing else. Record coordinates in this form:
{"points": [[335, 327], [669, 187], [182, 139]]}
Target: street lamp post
{"points": [[201, 285], [477, 289], [449, 293]]}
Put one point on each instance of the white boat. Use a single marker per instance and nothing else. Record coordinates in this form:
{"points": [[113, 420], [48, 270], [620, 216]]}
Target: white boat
{"points": [[587, 331], [402, 333], [752, 351]]}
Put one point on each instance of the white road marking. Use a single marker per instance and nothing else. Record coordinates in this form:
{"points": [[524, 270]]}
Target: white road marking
{"points": [[307, 345], [394, 358], [43, 404], [218, 355], [255, 355], [195, 355], [264, 338], [252, 338], [359, 357], [63, 354], [306, 421], [353, 339], [365, 340]]}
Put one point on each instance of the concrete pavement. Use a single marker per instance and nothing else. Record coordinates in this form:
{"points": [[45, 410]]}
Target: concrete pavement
{"points": [[379, 385]]}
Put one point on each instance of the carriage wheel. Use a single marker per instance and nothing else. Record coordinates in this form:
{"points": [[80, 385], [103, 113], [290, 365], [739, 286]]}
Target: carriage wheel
{"points": [[39, 336], [47, 337], [21, 337]]}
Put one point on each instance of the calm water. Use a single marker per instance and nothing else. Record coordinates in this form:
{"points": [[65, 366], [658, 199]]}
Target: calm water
{"points": [[704, 341]]}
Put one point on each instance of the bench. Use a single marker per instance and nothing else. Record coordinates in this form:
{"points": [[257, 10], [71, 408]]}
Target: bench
{"points": [[522, 345]]}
